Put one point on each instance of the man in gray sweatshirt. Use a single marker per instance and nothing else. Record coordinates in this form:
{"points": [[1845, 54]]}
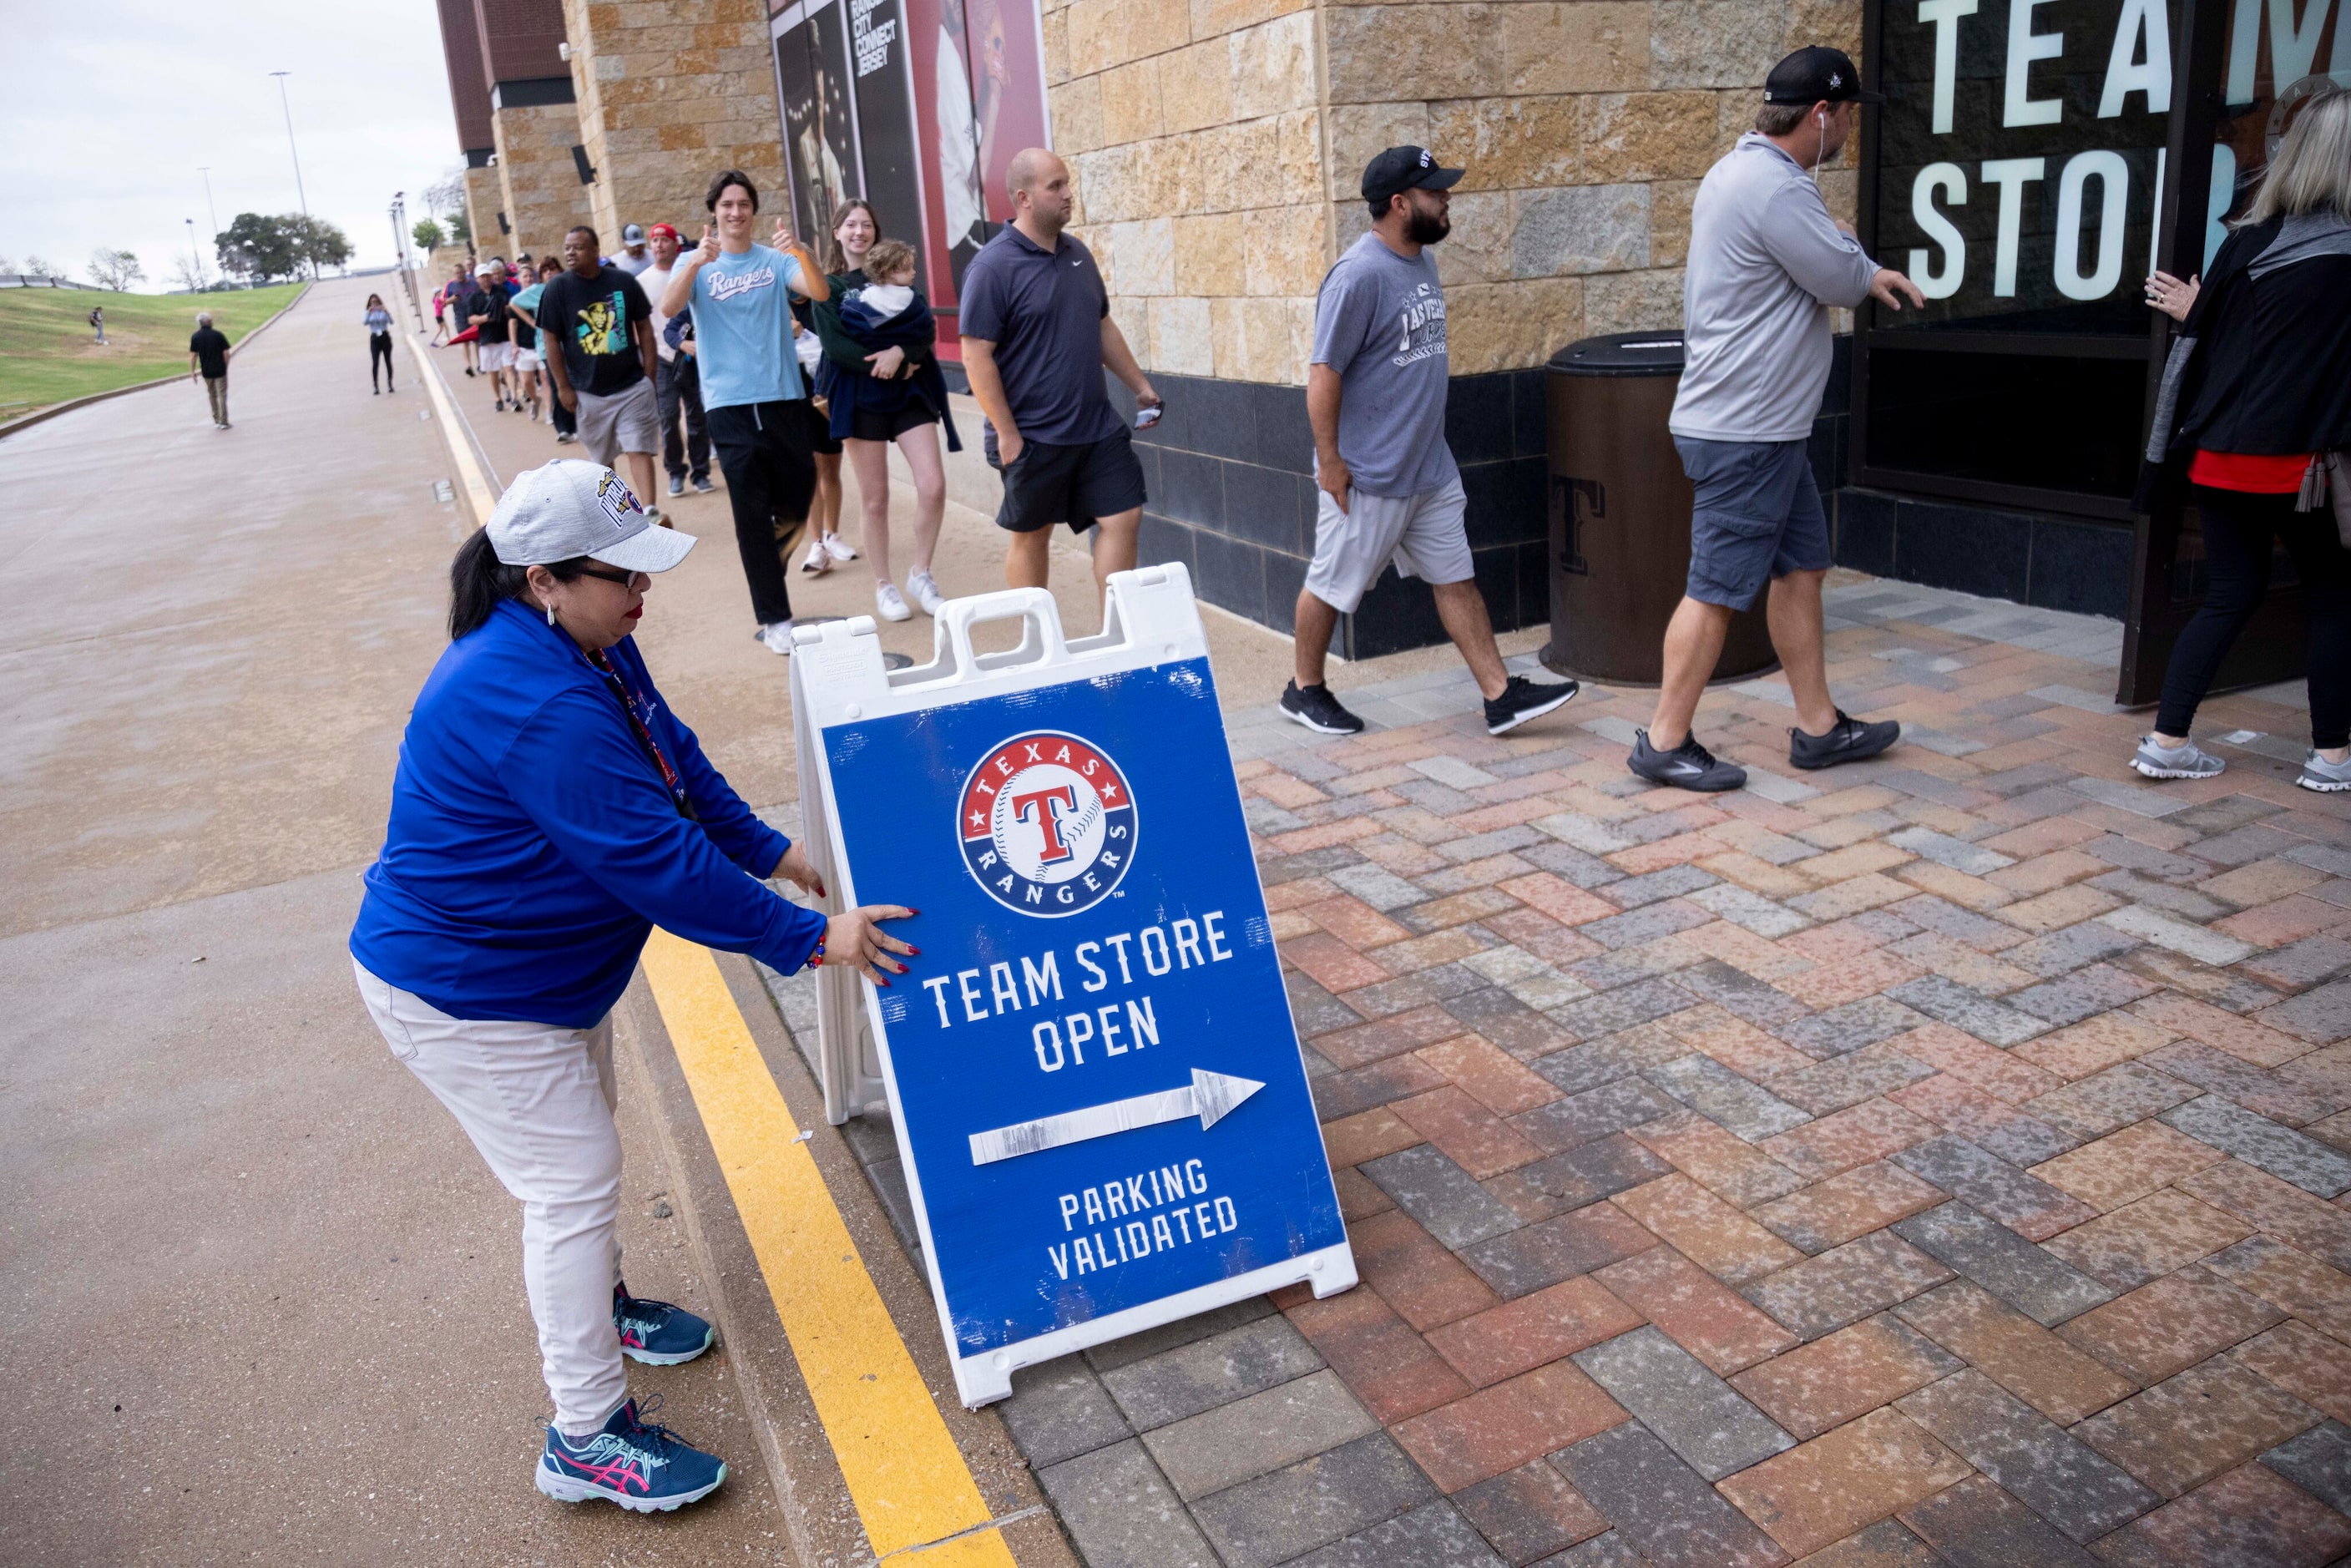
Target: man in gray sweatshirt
{"points": [[1766, 263]]}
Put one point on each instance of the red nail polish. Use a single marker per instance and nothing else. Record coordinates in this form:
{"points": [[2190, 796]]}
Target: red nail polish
{"points": [[883, 984], [917, 952]]}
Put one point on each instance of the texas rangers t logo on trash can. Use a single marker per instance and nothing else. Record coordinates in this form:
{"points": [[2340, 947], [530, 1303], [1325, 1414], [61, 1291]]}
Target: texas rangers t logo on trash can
{"points": [[1046, 824]]}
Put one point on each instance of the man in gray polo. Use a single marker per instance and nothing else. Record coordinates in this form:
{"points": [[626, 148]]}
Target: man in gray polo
{"points": [[1388, 488], [1766, 263]]}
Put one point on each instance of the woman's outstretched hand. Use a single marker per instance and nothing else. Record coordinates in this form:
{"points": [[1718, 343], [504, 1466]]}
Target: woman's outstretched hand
{"points": [[795, 869], [855, 938]]}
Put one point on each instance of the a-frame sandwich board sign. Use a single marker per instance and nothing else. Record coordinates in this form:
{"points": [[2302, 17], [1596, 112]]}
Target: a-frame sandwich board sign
{"points": [[1095, 1080]]}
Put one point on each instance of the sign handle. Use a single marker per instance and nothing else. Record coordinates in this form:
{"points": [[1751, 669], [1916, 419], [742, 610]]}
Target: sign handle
{"points": [[1041, 641]]}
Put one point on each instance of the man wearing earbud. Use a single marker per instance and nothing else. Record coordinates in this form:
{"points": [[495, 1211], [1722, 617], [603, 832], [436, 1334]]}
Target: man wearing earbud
{"points": [[1766, 263]]}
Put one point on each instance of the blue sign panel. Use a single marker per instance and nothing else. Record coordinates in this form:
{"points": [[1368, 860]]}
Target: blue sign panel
{"points": [[1099, 1084]]}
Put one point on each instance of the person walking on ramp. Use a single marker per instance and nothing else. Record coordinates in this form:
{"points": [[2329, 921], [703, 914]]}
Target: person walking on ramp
{"points": [[1388, 488], [1766, 262]]}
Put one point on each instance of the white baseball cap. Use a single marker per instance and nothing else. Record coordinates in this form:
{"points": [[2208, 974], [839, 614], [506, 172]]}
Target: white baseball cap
{"points": [[568, 509]]}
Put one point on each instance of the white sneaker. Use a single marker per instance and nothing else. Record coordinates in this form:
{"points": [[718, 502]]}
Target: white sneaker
{"points": [[891, 603], [927, 592], [653, 516], [777, 637], [837, 547], [817, 562]]}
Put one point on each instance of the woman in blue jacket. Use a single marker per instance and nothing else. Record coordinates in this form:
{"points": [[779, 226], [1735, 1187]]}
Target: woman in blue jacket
{"points": [[548, 812]]}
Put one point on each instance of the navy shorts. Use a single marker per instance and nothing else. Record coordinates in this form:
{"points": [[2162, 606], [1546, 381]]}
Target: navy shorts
{"points": [[1077, 485], [1756, 516]]}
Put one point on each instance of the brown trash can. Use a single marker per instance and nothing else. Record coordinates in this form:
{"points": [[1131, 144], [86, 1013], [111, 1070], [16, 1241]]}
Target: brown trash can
{"points": [[1620, 515]]}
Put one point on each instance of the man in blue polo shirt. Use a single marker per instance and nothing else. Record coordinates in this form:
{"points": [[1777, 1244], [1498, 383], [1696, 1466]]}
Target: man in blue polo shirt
{"points": [[1036, 335], [737, 291]]}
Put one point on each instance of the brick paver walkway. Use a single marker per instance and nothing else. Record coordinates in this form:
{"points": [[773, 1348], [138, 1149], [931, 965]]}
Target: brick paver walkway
{"points": [[1936, 1160]]}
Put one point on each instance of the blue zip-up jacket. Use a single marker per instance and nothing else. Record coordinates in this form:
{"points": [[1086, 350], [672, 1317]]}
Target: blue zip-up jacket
{"points": [[533, 845]]}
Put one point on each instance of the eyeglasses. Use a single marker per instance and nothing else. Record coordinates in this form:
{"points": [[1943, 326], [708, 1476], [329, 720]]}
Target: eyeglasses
{"points": [[625, 579]]}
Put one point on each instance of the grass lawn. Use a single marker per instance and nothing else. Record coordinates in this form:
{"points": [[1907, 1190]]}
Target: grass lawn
{"points": [[46, 355]]}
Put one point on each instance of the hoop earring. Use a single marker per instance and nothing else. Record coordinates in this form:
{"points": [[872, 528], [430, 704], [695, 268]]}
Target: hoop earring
{"points": [[550, 613]]}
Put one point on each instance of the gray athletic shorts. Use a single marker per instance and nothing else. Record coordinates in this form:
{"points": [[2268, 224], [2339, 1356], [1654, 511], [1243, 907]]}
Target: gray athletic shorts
{"points": [[1422, 534], [627, 421], [1756, 516]]}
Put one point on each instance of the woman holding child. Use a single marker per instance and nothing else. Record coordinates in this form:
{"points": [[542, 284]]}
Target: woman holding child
{"points": [[880, 376]]}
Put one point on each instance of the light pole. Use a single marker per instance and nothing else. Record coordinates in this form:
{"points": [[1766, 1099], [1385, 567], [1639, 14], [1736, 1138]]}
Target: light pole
{"points": [[211, 210], [286, 104], [194, 252], [400, 247]]}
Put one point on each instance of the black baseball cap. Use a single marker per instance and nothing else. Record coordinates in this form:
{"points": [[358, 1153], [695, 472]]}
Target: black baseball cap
{"points": [[1817, 74], [1401, 169]]}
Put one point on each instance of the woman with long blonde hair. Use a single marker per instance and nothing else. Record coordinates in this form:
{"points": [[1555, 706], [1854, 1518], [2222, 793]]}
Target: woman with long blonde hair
{"points": [[2255, 401]]}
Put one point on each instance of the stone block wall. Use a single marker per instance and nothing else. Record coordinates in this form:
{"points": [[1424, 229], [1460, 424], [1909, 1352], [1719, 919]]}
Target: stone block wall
{"points": [[538, 184], [484, 202], [669, 92]]}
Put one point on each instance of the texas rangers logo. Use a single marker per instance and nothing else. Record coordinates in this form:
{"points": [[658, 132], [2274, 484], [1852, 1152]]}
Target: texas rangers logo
{"points": [[1046, 824]]}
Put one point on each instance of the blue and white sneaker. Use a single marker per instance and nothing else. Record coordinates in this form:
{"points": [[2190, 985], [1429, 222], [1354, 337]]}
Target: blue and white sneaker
{"points": [[643, 1468], [656, 1332], [2186, 760]]}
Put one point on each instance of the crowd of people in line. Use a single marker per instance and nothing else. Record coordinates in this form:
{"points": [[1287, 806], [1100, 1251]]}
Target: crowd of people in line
{"points": [[550, 809]]}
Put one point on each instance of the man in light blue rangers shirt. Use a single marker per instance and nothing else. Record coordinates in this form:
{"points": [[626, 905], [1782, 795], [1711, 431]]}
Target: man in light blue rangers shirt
{"points": [[1766, 263], [736, 289], [1387, 486]]}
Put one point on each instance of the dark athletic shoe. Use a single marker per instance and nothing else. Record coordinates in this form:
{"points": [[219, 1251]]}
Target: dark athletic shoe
{"points": [[1688, 766], [644, 1467], [656, 1332], [703, 486], [1848, 740], [677, 484], [1317, 710], [1521, 700]]}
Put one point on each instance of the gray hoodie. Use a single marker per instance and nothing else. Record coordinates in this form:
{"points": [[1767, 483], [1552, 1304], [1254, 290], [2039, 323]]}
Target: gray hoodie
{"points": [[1766, 262]]}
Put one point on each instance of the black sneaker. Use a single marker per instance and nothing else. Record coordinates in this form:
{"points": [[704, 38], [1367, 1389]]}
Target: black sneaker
{"points": [[1317, 710], [1688, 766], [1848, 740], [702, 484], [1521, 700]]}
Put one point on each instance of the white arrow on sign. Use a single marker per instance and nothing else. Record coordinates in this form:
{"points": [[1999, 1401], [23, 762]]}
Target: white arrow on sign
{"points": [[1211, 1096]]}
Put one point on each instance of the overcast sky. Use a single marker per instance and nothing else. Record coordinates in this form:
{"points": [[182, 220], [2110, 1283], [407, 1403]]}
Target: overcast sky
{"points": [[109, 106]]}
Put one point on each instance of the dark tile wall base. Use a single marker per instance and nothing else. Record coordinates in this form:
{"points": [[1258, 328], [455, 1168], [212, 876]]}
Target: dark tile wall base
{"points": [[2056, 563]]}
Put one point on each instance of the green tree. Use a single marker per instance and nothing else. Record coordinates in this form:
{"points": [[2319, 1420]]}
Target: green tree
{"points": [[317, 241], [256, 248], [426, 233], [115, 269], [461, 231]]}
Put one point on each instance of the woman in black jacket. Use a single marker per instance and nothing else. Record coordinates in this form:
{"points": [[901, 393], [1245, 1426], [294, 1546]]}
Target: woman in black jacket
{"points": [[2256, 393]]}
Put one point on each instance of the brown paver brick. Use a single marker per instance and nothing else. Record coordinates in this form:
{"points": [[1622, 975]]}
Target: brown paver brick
{"points": [[1979, 1524], [1428, 952], [1284, 789], [1968, 892], [2314, 1367], [1540, 935], [1888, 1544], [1469, 1133], [1827, 1489], [1497, 1080], [2095, 1044], [2169, 1325], [1716, 1158], [1847, 1375], [2184, 1431], [1838, 940], [2043, 837], [1850, 1204], [1856, 1135], [1852, 861], [1501, 1428], [2143, 1241], [2055, 911], [1353, 922], [1997, 1072], [1352, 1140], [1695, 1310], [1845, 803], [1289, 925], [1957, 1107], [2123, 1167], [1657, 854], [2291, 1279], [1853, 895], [1739, 1045], [1376, 1354], [1846, 980], [1756, 875], [1358, 1197], [1322, 836], [1306, 890], [2260, 1199], [2250, 1518], [2047, 872], [2256, 1043], [1533, 1331], [2014, 1352], [1458, 909], [1414, 1273], [2262, 882], [2287, 920], [1940, 954], [1365, 1043], [1331, 963], [1707, 1230], [1530, 1513]]}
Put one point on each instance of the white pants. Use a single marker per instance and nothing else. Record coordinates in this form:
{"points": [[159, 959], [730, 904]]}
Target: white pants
{"points": [[538, 1101]]}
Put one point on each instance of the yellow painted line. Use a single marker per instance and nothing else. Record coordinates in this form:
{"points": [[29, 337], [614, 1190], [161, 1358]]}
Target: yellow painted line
{"points": [[478, 494], [905, 1475]]}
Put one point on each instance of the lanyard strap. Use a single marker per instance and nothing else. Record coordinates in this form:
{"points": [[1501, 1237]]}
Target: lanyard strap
{"points": [[629, 706]]}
